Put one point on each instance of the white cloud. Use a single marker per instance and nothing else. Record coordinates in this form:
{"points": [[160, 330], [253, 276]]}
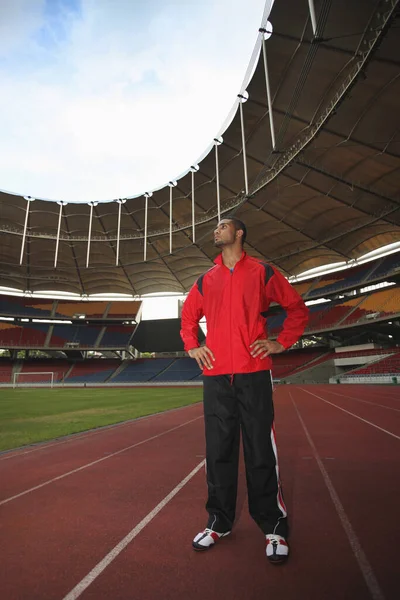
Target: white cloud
{"points": [[116, 98]]}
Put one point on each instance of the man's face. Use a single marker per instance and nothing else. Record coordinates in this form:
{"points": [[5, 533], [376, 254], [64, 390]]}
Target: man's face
{"points": [[224, 233]]}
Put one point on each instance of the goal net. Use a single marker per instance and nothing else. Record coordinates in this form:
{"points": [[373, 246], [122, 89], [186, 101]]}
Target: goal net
{"points": [[33, 378]]}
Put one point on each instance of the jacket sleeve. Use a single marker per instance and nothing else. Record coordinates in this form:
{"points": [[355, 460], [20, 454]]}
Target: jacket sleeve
{"points": [[192, 312], [279, 290]]}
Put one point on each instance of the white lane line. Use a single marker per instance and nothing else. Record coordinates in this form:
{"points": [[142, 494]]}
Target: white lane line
{"points": [[360, 556], [95, 462], [15, 452], [375, 390], [112, 555], [364, 401], [352, 414]]}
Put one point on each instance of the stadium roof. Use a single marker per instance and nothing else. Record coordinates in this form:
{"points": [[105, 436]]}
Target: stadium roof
{"points": [[326, 191]]}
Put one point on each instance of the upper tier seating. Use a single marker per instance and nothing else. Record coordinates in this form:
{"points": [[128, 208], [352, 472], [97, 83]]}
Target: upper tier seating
{"points": [[349, 278], [302, 288], [123, 309], [90, 309], [116, 336], [84, 335], [382, 303], [12, 335], [387, 265], [15, 306]]}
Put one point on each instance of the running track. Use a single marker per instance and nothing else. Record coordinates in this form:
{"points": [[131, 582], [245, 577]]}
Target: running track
{"points": [[110, 514]]}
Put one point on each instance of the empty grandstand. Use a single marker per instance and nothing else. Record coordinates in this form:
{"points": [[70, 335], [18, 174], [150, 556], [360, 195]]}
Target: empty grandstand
{"points": [[101, 343], [311, 166]]}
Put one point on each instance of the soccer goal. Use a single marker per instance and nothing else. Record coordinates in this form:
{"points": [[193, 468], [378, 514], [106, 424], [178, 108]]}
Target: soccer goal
{"points": [[33, 378]]}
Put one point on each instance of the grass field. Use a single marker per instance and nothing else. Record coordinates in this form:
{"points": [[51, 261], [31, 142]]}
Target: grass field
{"points": [[35, 415]]}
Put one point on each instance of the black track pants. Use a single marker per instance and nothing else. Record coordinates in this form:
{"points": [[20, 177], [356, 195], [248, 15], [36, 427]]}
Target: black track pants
{"points": [[230, 405]]}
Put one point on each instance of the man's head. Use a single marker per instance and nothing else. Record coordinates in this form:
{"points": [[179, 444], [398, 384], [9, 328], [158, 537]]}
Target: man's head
{"points": [[229, 231]]}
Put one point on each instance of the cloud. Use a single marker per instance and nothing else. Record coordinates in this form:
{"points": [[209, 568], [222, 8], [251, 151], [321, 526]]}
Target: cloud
{"points": [[102, 99]]}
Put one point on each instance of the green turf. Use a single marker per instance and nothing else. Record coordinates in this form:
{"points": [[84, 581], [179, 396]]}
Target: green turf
{"points": [[34, 415]]}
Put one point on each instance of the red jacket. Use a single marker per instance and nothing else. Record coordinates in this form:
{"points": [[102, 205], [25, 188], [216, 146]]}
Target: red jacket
{"points": [[234, 304]]}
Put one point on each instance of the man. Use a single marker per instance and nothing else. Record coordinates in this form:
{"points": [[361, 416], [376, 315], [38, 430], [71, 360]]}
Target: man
{"points": [[234, 296]]}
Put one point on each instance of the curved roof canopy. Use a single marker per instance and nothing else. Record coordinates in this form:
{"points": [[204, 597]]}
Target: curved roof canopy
{"points": [[316, 180]]}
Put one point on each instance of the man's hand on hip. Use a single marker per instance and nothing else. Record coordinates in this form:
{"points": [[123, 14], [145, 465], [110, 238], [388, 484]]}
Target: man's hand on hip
{"points": [[263, 348], [203, 356]]}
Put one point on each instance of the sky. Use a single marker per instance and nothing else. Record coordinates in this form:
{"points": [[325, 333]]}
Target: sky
{"points": [[101, 99]]}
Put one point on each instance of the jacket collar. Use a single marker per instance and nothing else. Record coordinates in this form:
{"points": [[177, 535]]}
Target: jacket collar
{"points": [[218, 260]]}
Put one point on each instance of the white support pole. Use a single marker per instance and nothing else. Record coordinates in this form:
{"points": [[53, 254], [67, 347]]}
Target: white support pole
{"points": [[146, 208], [120, 202], [118, 233], [312, 15], [193, 209], [61, 203], [29, 200], [170, 218], [246, 184], [217, 143], [271, 119], [92, 205]]}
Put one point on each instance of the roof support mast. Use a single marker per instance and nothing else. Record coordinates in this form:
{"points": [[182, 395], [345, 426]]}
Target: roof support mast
{"points": [[312, 15], [61, 203], [194, 169], [242, 99], [29, 200], [172, 184], [120, 201], [218, 142], [271, 118], [92, 205], [146, 209]]}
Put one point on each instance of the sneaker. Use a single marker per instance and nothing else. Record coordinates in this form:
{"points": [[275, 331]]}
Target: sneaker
{"points": [[277, 548], [207, 538]]}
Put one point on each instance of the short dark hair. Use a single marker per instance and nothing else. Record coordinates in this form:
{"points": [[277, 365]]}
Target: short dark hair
{"points": [[238, 225]]}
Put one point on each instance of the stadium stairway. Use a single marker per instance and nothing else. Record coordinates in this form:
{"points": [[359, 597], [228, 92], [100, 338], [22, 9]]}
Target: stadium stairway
{"points": [[119, 370], [48, 336], [66, 374], [348, 315], [17, 368], [317, 370], [159, 375], [100, 337]]}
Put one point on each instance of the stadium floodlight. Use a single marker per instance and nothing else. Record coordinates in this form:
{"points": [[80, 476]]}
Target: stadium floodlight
{"points": [[49, 380]]}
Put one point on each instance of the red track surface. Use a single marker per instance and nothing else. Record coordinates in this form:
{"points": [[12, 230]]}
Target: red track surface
{"points": [[65, 505]]}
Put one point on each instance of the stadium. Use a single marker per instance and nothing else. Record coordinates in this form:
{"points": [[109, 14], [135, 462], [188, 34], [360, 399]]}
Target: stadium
{"points": [[309, 160]]}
